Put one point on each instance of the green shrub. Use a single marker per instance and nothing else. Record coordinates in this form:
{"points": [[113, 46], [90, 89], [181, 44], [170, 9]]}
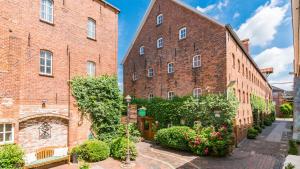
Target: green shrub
{"points": [[135, 134], [174, 137], [293, 148], [119, 149], [92, 151], [84, 166], [11, 157], [268, 122], [252, 133], [290, 166], [286, 109], [258, 128]]}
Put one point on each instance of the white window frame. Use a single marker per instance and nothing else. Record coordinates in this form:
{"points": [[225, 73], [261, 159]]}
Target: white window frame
{"points": [[150, 72], [4, 132], [160, 43], [44, 56], [159, 19], [196, 61], [171, 95], [91, 28], [182, 33], [91, 68], [142, 50], [46, 10], [134, 76], [197, 92], [171, 67]]}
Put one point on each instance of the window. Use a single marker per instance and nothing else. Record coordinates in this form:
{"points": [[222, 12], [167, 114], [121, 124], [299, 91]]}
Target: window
{"points": [[47, 10], [171, 95], [91, 68], [170, 68], [6, 133], [233, 61], [150, 72], [142, 50], [159, 19], [197, 92], [160, 43], [151, 96], [182, 33], [196, 61], [134, 76], [45, 62], [91, 28], [243, 72]]}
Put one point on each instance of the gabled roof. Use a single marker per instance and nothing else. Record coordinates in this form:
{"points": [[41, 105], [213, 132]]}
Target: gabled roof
{"points": [[148, 12], [277, 88]]}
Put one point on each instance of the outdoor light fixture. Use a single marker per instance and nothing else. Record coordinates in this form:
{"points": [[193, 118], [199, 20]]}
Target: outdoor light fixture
{"points": [[128, 99]]}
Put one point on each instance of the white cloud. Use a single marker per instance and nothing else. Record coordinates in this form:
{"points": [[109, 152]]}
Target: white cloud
{"points": [[206, 9], [236, 15], [220, 5], [262, 26], [281, 60]]}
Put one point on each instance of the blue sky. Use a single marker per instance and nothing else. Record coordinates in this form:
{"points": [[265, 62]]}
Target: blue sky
{"points": [[266, 22]]}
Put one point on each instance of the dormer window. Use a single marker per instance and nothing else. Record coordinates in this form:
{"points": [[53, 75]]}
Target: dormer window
{"points": [[160, 43], [182, 33], [142, 50], [159, 19]]}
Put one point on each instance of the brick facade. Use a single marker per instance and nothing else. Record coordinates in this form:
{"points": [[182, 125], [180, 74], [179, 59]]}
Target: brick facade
{"points": [[23, 89], [214, 42]]}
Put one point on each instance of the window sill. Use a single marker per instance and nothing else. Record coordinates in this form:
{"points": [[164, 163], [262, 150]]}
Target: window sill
{"points": [[182, 39], [45, 75], [157, 25], [196, 67], [7, 142], [91, 39], [46, 22]]}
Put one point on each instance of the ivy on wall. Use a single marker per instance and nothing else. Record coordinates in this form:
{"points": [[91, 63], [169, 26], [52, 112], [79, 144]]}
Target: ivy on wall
{"points": [[100, 100], [186, 110]]}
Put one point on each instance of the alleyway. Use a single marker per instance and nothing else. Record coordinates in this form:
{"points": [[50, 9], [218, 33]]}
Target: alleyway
{"points": [[268, 151]]}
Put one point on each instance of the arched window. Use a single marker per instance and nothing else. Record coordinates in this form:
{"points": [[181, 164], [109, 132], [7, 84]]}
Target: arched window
{"points": [[196, 61], [45, 62], [159, 19], [160, 43], [47, 10], [91, 28]]}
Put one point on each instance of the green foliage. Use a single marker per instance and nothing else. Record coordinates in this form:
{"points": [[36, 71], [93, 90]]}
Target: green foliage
{"points": [[100, 100], [290, 166], [119, 149], [92, 151], [134, 133], [252, 133], [293, 148], [286, 109], [258, 128], [174, 137], [11, 157], [84, 166], [190, 109]]}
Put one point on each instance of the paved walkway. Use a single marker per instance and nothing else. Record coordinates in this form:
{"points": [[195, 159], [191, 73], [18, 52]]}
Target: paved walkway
{"points": [[268, 151]]}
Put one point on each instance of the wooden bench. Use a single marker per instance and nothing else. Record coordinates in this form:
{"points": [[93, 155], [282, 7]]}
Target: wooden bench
{"points": [[45, 156]]}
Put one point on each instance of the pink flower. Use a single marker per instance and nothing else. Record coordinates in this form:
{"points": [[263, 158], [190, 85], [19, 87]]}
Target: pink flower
{"points": [[206, 151]]}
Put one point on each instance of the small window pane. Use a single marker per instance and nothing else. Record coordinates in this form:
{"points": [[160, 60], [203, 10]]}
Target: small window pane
{"points": [[8, 137], [1, 137], [1, 128], [91, 29], [48, 63], [48, 71], [8, 127]]}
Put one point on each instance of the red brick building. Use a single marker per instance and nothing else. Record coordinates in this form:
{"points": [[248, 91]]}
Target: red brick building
{"points": [[179, 51], [43, 44]]}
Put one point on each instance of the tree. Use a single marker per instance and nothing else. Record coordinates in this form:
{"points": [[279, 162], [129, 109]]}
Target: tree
{"points": [[286, 109]]}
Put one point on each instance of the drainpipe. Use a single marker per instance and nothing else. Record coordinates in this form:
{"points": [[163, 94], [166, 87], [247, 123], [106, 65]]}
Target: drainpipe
{"points": [[69, 93]]}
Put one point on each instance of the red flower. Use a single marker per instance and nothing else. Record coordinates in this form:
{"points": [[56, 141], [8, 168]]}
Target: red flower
{"points": [[206, 151]]}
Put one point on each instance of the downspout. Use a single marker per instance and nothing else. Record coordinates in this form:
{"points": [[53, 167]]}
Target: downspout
{"points": [[69, 93]]}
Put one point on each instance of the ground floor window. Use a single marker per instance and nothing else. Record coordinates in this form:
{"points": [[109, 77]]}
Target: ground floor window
{"points": [[6, 133]]}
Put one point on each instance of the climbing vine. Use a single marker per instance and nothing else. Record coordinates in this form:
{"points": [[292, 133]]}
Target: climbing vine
{"points": [[100, 100]]}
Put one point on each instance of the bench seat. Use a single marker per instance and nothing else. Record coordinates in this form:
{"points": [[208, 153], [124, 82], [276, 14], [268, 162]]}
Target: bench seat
{"points": [[47, 161]]}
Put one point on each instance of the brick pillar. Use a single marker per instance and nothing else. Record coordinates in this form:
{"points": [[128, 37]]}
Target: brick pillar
{"points": [[296, 132]]}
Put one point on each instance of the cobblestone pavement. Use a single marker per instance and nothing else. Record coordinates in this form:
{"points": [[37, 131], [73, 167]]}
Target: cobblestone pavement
{"points": [[262, 153]]}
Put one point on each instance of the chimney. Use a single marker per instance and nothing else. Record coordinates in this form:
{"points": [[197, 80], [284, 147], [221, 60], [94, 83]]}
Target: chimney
{"points": [[246, 43]]}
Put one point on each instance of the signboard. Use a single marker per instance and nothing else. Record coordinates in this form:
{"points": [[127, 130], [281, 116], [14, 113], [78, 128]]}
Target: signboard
{"points": [[133, 113]]}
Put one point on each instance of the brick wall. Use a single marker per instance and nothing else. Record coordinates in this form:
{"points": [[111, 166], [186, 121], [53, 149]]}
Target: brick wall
{"points": [[23, 35], [204, 38]]}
